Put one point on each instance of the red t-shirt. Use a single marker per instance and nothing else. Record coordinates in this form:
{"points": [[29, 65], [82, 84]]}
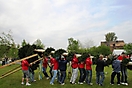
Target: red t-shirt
{"points": [[122, 57], [54, 63], [45, 62], [81, 65], [88, 63], [24, 65], [74, 63]]}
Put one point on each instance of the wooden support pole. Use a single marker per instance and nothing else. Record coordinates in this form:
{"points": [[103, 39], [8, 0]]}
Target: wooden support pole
{"points": [[19, 60], [16, 69], [10, 72]]}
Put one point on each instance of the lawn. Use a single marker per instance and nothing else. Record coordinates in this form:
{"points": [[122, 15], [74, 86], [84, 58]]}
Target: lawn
{"points": [[14, 80]]}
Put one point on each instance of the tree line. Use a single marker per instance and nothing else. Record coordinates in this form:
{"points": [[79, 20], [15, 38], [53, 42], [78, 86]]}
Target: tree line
{"points": [[8, 48]]}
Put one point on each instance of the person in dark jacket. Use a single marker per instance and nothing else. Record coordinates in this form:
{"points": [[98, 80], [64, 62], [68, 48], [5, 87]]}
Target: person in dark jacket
{"points": [[100, 70], [116, 71], [62, 67]]}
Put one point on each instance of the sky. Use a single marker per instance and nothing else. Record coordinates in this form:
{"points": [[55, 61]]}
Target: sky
{"points": [[55, 21]]}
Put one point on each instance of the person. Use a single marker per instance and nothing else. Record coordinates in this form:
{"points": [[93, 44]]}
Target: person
{"points": [[32, 73], [74, 65], [123, 69], [54, 64], [45, 64], [62, 67], [25, 69], [3, 61], [100, 70], [116, 71], [6, 60], [82, 71], [50, 66], [88, 63]]}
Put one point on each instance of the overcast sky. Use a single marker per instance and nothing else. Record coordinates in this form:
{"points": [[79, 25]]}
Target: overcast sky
{"points": [[54, 21]]}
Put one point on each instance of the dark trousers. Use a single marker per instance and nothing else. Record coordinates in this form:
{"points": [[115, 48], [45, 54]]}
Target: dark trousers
{"points": [[123, 74], [113, 76], [50, 71], [82, 74], [44, 72], [100, 77], [62, 76]]}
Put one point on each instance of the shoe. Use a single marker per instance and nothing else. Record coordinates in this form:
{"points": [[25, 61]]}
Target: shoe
{"points": [[22, 83], [51, 83], [28, 84], [62, 83], [34, 80], [73, 83], [81, 83], [126, 84], [111, 83], [78, 82], [118, 84], [122, 83], [90, 84], [101, 84], [47, 78]]}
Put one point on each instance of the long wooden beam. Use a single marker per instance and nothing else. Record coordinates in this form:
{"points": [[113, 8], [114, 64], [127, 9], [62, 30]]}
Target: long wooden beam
{"points": [[19, 60], [10, 73], [11, 70], [16, 69]]}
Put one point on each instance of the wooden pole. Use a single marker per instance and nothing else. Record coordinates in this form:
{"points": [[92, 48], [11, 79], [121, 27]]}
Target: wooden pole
{"points": [[19, 60], [10, 73], [16, 69], [11, 70]]}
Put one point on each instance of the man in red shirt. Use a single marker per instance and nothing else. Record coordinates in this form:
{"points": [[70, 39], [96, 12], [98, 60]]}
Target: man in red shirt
{"points": [[123, 69], [88, 63], [25, 69], [45, 64], [54, 64], [74, 65], [82, 72]]}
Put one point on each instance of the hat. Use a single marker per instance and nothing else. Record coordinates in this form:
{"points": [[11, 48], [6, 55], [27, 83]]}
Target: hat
{"points": [[62, 56]]}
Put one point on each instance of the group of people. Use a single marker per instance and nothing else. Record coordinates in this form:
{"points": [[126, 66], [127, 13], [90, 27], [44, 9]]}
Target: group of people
{"points": [[58, 68]]}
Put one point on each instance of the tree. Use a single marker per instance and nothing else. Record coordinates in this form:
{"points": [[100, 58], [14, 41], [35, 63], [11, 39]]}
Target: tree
{"points": [[111, 36], [24, 43], [6, 42], [128, 48], [73, 45], [105, 50], [39, 44]]}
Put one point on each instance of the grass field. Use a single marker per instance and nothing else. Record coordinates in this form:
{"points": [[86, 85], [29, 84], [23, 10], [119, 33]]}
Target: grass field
{"points": [[14, 80]]}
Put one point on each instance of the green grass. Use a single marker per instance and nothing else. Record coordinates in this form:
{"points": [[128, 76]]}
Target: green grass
{"points": [[14, 80]]}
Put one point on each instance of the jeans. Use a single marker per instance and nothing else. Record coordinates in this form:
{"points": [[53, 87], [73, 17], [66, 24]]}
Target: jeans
{"points": [[113, 76], [82, 74], [54, 76], [74, 75], [32, 76], [100, 77], [62, 76], [124, 74], [88, 76]]}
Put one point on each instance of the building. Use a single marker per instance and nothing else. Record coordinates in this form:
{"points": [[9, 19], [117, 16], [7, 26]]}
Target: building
{"points": [[118, 44]]}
